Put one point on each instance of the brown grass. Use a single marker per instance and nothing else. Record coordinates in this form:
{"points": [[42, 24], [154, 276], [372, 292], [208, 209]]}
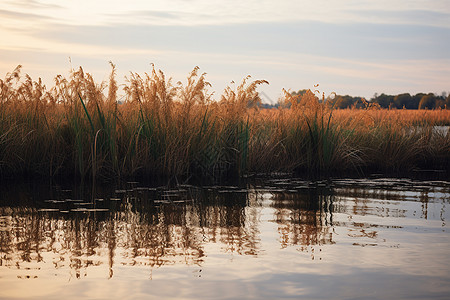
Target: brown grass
{"points": [[77, 128]]}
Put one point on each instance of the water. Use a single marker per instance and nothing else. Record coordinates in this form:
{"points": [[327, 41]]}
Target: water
{"points": [[274, 239]]}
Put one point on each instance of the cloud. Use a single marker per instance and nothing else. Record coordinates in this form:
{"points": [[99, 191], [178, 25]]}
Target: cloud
{"points": [[32, 4], [21, 21], [15, 15], [359, 41], [145, 17], [399, 17], [210, 12], [202, 12]]}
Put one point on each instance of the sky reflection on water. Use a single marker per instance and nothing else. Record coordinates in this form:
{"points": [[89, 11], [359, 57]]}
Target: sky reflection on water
{"points": [[276, 239]]}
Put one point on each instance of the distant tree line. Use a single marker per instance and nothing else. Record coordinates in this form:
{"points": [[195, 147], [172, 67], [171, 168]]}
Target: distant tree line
{"points": [[417, 101], [406, 100]]}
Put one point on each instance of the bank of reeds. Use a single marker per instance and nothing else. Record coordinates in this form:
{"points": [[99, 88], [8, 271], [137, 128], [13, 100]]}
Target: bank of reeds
{"points": [[78, 128]]}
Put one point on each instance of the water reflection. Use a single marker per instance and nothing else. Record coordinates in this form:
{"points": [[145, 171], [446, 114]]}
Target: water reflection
{"points": [[156, 227], [304, 219], [132, 230], [78, 234]]}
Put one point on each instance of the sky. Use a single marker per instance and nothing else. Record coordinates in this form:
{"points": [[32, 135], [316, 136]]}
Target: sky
{"points": [[354, 47]]}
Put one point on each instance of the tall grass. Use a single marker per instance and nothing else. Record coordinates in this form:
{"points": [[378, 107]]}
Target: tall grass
{"points": [[161, 129]]}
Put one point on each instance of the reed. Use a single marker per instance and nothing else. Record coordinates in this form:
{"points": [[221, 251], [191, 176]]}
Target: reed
{"points": [[161, 129]]}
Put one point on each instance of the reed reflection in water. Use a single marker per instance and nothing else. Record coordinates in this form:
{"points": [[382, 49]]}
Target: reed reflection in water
{"points": [[126, 231], [264, 241]]}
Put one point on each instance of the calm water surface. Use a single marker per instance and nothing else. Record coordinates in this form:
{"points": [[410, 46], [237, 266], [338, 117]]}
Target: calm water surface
{"points": [[274, 239]]}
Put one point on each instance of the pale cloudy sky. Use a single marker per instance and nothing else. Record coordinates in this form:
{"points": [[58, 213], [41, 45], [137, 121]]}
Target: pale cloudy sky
{"points": [[356, 47]]}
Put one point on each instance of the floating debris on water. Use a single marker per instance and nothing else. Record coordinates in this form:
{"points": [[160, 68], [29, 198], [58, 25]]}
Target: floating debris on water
{"points": [[89, 210], [78, 209], [232, 191], [141, 189], [183, 201], [82, 203], [162, 201], [55, 201]]}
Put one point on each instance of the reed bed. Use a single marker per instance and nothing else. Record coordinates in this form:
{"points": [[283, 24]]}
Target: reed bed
{"points": [[78, 128]]}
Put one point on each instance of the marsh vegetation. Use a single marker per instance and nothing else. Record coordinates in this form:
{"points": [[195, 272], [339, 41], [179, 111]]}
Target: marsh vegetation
{"points": [[81, 128]]}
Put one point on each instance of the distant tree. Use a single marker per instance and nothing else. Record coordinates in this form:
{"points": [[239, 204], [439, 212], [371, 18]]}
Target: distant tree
{"points": [[360, 102], [427, 101], [299, 92], [268, 106], [404, 100], [416, 100], [342, 101], [384, 100], [443, 101], [440, 103]]}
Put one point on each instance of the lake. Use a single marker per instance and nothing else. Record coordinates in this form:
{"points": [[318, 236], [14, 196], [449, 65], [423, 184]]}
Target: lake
{"points": [[275, 238]]}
